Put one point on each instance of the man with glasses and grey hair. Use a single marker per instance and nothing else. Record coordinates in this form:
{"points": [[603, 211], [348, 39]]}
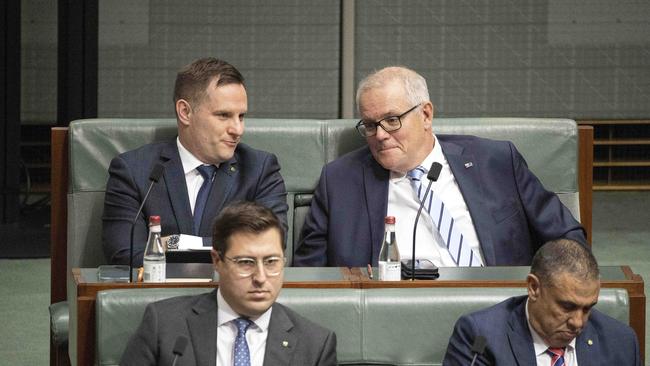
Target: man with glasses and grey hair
{"points": [[487, 207], [239, 323]]}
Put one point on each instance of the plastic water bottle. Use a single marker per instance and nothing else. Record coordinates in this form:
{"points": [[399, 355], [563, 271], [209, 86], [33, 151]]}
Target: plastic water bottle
{"points": [[155, 263], [390, 267]]}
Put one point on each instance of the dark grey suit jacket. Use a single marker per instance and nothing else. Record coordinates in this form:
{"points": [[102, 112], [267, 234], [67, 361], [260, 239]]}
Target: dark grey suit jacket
{"points": [[250, 175], [603, 341], [512, 212], [195, 317]]}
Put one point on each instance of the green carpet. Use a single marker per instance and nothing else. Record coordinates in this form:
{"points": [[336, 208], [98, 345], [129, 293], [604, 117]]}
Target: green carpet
{"points": [[24, 298]]}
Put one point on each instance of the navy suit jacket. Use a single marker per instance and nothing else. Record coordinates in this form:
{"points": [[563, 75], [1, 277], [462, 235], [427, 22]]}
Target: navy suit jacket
{"points": [[512, 212], [509, 341], [250, 175], [195, 317]]}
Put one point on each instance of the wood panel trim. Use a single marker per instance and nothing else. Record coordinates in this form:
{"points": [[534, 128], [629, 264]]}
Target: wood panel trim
{"points": [[586, 176], [59, 214]]}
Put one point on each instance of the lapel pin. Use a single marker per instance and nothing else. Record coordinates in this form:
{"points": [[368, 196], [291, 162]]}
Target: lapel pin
{"points": [[590, 342], [469, 165], [285, 344], [232, 169]]}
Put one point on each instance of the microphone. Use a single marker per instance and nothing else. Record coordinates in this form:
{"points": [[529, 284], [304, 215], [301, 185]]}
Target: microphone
{"points": [[154, 177], [432, 175], [179, 348], [477, 348]]}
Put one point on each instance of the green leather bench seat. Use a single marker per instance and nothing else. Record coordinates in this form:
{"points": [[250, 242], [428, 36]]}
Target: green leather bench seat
{"points": [[303, 146], [373, 326]]}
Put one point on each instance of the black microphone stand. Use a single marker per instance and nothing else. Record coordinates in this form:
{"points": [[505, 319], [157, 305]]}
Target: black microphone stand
{"points": [[432, 176], [415, 227], [155, 175]]}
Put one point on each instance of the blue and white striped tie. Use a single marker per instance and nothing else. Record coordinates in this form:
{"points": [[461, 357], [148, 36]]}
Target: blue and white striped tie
{"points": [[460, 252]]}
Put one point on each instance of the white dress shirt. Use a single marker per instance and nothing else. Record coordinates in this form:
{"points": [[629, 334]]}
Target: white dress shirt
{"points": [[193, 179], [543, 358], [227, 332], [403, 203]]}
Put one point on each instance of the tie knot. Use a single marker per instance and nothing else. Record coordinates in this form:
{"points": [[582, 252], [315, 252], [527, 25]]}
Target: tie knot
{"points": [[417, 173], [558, 352], [242, 324], [206, 171]]}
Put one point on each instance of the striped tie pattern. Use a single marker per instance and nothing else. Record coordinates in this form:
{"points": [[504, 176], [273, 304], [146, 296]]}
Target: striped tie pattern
{"points": [[462, 254], [557, 356], [241, 354]]}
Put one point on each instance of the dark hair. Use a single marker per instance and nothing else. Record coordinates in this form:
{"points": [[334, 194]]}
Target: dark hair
{"points": [[193, 79], [564, 256], [243, 217]]}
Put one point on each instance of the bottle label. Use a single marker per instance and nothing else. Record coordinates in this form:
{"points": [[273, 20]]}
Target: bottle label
{"points": [[390, 271], [154, 272]]}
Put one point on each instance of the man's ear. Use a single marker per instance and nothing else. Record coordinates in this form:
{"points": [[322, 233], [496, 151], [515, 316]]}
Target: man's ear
{"points": [[216, 259], [183, 111], [533, 285], [428, 112]]}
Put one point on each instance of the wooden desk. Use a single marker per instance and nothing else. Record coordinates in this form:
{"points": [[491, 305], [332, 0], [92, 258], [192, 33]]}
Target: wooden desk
{"points": [[87, 286]]}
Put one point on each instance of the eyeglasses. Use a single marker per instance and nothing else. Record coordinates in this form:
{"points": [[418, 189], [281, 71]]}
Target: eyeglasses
{"points": [[246, 266], [389, 124]]}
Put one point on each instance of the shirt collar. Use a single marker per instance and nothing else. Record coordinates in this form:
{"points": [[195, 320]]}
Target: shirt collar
{"points": [[189, 161], [538, 342], [226, 314]]}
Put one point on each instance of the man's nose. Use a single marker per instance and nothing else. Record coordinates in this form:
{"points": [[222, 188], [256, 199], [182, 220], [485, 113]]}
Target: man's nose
{"points": [[381, 134], [236, 127], [578, 320], [260, 275]]}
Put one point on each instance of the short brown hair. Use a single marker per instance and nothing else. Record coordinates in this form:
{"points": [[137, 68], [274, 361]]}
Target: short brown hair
{"points": [[243, 217], [193, 79], [564, 256]]}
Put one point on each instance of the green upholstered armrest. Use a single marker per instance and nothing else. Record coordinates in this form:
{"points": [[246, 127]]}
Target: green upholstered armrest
{"points": [[59, 320]]}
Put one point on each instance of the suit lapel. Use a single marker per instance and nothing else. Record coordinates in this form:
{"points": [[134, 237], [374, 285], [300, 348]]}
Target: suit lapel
{"points": [[202, 325], [177, 187], [375, 181], [521, 342], [587, 345], [467, 175], [280, 342], [221, 186]]}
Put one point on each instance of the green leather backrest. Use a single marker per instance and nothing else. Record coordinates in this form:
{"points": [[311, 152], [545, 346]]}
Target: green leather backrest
{"points": [[302, 147], [413, 326], [408, 326]]}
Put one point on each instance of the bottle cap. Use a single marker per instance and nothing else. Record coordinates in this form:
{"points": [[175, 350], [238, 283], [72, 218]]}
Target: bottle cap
{"points": [[389, 220], [154, 220]]}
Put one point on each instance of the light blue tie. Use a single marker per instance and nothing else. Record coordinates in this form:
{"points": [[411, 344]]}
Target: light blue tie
{"points": [[460, 252], [207, 172], [241, 354]]}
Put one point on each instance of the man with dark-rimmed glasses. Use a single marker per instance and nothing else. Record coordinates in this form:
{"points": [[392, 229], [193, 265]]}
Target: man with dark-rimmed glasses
{"points": [[239, 323], [487, 207]]}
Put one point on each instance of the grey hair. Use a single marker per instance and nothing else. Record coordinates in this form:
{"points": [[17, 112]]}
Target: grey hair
{"points": [[564, 256], [415, 86]]}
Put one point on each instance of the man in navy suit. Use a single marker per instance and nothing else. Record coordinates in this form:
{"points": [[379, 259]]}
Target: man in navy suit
{"points": [[239, 323], [206, 166], [555, 324], [496, 212]]}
